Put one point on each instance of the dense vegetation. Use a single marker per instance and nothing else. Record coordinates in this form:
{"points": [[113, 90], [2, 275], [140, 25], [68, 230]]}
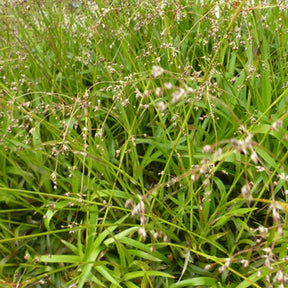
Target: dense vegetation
{"points": [[143, 143]]}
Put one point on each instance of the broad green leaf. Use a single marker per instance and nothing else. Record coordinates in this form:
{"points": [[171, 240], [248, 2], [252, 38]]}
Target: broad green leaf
{"points": [[118, 236], [139, 274], [266, 88], [197, 281], [143, 255], [59, 259], [93, 251], [107, 274], [142, 247], [69, 245]]}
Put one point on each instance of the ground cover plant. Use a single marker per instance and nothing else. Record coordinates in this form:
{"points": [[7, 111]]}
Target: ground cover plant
{"points": [[143, 143]]}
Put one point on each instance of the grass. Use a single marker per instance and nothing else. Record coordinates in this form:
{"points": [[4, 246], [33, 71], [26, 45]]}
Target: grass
{"points": [[143, 144]]}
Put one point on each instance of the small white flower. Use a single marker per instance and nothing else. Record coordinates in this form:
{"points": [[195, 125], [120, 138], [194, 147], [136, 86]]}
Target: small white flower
{"points": [[254, 157], [260, 169], [168, 85], [245, 189], [246, 192], [207, 149], [158, 91], [161, 106], [218, 152], [177, 95], [157, 71], [142, 232], [245, 262], [129, 203], [194, 177], [277, 124], [258, 274]]}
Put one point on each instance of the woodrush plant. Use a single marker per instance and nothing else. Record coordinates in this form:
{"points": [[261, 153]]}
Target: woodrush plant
{"points": [[143, 143]]}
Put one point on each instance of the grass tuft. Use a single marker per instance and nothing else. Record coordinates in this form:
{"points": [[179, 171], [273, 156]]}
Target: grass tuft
{"points": [[143, 143]]}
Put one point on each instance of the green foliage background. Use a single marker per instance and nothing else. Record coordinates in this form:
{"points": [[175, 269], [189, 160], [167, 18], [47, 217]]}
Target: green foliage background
{"points": [[143, 144]]}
